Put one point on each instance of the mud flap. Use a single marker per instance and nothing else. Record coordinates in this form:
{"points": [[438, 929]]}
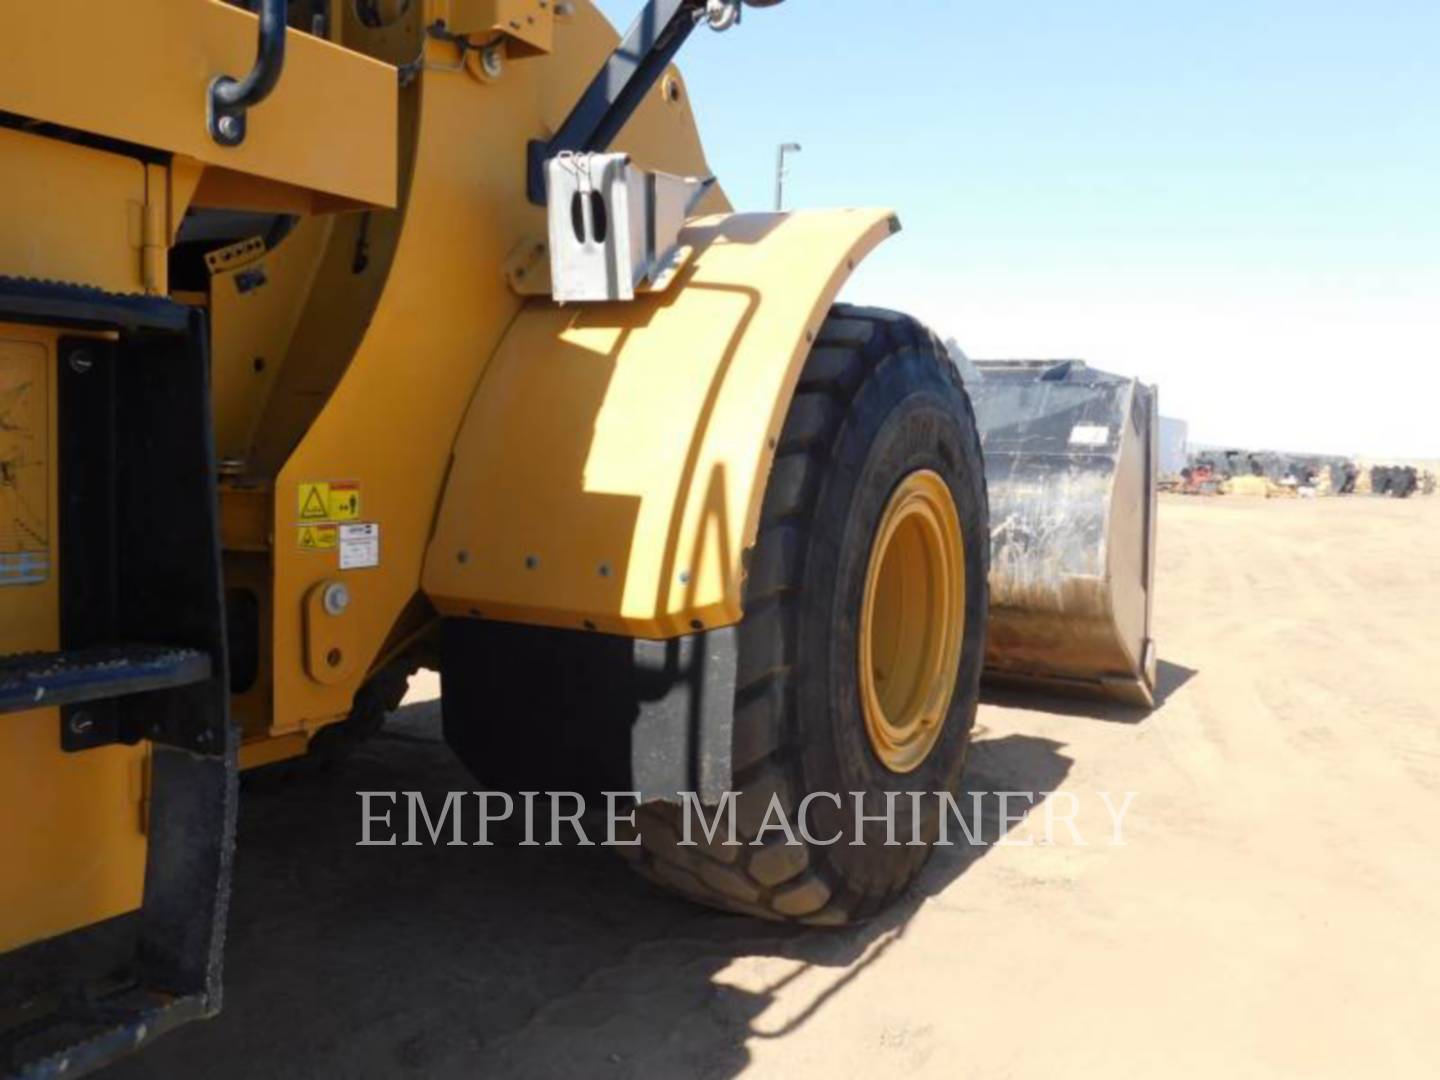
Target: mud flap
{"points": [[528, 707]]}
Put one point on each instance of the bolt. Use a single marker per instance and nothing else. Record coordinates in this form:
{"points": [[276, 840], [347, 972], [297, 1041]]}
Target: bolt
{"points": [[684, 577], [229, 127], [462, 557], [81, 722], [531, 562], [333, 657], [336, 598], [81, 361], [604, 569]]}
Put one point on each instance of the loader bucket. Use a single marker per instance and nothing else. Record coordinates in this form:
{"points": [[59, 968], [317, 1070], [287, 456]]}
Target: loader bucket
{"points": [[1070, 458]]}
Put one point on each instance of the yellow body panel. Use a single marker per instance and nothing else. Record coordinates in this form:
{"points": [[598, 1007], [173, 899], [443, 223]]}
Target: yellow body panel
{"points": [[613, 463], [73, 851], [97, 240], [392, 418], [251, 329], [530, 24], [140, 71], [262, 752]]}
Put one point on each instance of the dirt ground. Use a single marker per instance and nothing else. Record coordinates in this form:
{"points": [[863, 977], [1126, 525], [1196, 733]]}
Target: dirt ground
{"points": [[1275, 909]]}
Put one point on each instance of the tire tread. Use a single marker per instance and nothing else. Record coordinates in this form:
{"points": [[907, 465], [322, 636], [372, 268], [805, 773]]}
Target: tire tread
{"points": [[852, 347]]}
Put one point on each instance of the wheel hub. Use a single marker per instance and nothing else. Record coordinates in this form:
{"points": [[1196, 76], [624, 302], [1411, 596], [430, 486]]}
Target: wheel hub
{"points": [[912, 621]]}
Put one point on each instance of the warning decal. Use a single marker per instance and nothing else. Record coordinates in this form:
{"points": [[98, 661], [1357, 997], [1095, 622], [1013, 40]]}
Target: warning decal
{"points": [[334, 500], [314, 502], [319, 537], [344, 501], [24, 464]]}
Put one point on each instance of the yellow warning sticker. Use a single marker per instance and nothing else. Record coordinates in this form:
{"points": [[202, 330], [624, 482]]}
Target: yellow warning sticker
{"points": [[314, 502], [319, 537], [344, 500], [333, 500]]}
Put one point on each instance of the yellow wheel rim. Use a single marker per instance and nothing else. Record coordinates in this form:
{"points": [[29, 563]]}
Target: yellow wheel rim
{"points": [[912, 621]]}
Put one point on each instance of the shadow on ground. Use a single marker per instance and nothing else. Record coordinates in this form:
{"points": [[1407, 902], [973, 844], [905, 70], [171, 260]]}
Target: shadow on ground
{"points": [[1169, 678], [505, 961]]}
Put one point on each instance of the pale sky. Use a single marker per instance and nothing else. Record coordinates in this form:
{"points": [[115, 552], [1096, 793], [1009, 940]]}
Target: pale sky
{"points": [[1235, 200]]}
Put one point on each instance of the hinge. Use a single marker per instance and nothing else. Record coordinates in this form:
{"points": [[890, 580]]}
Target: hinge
{"points": [[155, 231]]}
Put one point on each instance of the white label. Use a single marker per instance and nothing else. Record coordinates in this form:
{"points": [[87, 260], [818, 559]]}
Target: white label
{"points": [[359, 545], [1089, 435]]}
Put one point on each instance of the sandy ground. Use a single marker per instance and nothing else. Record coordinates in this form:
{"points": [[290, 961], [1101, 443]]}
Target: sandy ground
{"points": [[1274, 911]]}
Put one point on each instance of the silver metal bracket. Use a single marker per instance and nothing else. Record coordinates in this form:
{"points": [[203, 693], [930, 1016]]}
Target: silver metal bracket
{"points": [[614, 227]]}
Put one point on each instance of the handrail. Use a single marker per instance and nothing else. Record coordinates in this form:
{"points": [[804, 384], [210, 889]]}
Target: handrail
{"points": [[230, 98]]}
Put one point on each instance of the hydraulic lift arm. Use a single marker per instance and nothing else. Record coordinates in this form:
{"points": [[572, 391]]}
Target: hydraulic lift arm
{"points": [[628, 76]]}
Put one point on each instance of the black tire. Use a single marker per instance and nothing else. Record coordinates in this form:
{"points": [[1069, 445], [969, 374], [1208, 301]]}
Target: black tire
{"points": [[878, 399]]}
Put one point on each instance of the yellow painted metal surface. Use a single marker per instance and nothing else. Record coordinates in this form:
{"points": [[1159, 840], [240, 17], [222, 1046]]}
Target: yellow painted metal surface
{"points": [[384, 407], [529, 24], [252, 755], [613, 462], [73, 850], [71, 213], [331, 656], [140, 71], [255, 305], [244, 518]]}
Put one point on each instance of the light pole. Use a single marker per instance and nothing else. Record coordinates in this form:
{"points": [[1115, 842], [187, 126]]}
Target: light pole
{"points": [[785, 149]]}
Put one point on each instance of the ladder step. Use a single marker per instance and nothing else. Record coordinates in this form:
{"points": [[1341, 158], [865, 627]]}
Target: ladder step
{"points": [[40, 680]]}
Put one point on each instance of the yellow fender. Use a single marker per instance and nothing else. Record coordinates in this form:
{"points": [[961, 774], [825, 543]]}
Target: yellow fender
{"points": [[611, 467]]}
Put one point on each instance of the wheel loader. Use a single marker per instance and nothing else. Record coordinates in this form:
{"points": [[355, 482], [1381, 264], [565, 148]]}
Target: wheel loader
{"points": [[341, 337]]}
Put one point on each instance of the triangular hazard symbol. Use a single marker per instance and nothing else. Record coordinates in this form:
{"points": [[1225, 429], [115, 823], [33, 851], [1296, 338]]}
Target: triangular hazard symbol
{"points": [[307, 538], [314, 505]]}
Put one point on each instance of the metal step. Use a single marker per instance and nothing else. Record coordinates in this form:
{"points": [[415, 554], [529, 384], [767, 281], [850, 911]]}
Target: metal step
{"points": [[40, 680]]}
